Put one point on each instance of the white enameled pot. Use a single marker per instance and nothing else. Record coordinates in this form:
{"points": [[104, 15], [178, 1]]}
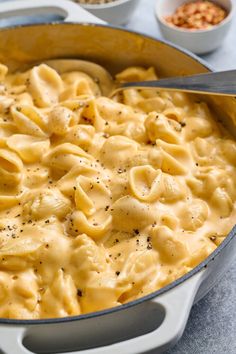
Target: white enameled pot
{"points": [[154, 322]]}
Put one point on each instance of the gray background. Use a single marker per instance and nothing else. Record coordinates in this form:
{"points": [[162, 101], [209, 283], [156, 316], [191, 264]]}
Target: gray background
{"points": [[212, 324]]}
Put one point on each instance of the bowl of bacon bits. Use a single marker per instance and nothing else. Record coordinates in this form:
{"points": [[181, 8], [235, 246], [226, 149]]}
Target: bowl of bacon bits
{"points": [[117, 12], [198, 25]]}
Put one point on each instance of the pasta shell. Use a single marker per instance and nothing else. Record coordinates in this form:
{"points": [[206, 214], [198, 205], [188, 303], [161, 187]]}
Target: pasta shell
{"points": [[45, 204]]}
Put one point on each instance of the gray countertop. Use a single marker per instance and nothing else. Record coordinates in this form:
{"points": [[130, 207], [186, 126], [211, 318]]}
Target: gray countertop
{"points": [[211, 327]]}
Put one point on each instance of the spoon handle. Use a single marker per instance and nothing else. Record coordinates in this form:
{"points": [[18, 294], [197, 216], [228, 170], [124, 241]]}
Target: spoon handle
{"points": [[217, 83]]}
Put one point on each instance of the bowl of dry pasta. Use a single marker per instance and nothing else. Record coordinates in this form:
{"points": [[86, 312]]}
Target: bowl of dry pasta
{"points": [[117, 12]]}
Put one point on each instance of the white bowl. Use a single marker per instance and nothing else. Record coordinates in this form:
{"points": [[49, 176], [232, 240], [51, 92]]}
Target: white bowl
{"points": [[116, 12], [197, 41]]}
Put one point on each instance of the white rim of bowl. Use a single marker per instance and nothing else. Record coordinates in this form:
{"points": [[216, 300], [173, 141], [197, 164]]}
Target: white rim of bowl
{"points": [[183, 30], [102, 6]]}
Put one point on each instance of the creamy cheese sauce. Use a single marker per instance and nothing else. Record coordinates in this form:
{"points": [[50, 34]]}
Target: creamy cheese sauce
{"points": [[103, 201]]}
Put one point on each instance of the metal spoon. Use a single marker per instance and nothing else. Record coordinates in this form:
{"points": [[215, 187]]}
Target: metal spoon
{"points": [[216, 83]]}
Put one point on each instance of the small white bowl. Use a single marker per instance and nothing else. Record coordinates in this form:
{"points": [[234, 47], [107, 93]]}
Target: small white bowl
{"points": [[197, 41], [117, 12]]}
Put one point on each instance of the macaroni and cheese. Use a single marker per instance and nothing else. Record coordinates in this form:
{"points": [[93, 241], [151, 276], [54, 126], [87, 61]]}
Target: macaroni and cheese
{"points": [[103, 201]]}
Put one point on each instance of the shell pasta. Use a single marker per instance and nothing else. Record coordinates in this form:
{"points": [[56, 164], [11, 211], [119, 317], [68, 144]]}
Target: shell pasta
{"points": [[103, 201]]}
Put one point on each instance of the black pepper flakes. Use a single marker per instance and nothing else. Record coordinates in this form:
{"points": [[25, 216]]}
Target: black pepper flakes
{"points": [[213, 238], [79, 292]]}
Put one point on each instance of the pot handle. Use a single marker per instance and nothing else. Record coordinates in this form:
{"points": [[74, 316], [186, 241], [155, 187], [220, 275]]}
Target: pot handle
{"points": [[70, 11], [176, 303]]}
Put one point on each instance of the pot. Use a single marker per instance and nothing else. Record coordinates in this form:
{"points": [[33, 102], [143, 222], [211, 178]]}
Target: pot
{"points": [[154, 322]]}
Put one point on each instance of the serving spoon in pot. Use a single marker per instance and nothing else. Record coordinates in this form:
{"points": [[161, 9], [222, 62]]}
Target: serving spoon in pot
{"points": [[214, 83]]}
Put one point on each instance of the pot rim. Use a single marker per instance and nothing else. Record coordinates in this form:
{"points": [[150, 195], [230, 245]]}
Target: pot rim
{"points": [[170, 286]]}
